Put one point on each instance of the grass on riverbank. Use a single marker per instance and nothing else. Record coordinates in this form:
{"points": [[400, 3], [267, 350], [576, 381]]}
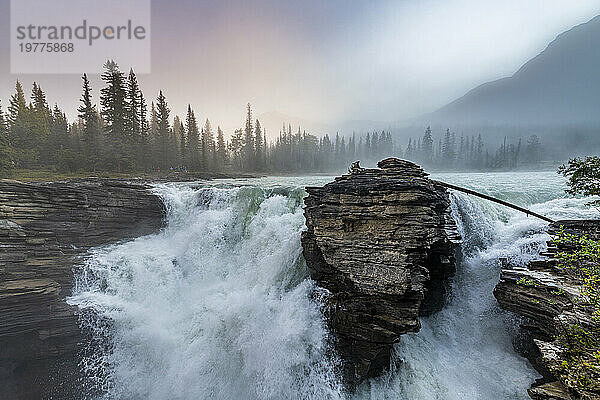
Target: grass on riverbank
{"points": [[45, 175]]}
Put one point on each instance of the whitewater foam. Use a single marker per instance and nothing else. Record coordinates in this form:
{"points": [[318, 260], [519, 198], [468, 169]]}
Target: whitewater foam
{"points": [[219, 304]]}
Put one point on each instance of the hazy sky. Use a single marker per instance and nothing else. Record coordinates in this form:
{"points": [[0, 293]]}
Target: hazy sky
{"points": [[326, 60]]}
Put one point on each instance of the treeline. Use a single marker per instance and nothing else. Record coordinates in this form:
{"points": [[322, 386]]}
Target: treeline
{"points": [[462, 153], [301, 151], [125, 134]]}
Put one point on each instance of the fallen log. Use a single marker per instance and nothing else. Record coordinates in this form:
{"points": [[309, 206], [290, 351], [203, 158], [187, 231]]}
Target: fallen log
{"points": [[495, 200]]}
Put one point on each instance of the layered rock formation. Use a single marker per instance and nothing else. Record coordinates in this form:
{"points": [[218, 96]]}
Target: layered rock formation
{"points": [[548, 296], [44, 227], [381, 242]]}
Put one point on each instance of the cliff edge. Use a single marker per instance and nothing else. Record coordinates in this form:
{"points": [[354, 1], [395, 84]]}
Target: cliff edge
{"points": [[561, 325], [44, 227]]}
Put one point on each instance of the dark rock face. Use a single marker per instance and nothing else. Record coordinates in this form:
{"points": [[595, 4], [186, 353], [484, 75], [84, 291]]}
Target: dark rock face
{"points": [[546, 295], [43, 228], [377, 240]]}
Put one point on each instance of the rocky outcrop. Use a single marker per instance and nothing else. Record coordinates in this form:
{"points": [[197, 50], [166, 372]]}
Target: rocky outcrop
{"points": [[548, 296], [44, 227], [381, 242]]}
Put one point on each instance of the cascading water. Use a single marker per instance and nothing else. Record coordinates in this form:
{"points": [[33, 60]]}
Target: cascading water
{"points": [[219, 304], [215, 306]]}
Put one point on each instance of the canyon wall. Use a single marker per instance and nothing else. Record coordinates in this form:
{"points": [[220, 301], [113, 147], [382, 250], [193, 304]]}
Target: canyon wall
{"points": [[44, 230]]}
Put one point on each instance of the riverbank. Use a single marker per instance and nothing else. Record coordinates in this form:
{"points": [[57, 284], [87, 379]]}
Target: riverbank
{"points": [[44, 175]]}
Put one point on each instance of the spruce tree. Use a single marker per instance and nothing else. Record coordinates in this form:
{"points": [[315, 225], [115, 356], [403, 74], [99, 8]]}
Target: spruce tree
{"points": [[114, 111], [248, 149], [479, 156], [132, 102], [265, 153], [18, 128], [221, 150], [163, 130], [193, 140], [258, 151], [144, 154], [207, 146], [17, 106], [90, 135], [179, 131], [427, 146], [236, 149], [446, 148], [40, 118], [3, 123], [5, 149], [59, 142]]}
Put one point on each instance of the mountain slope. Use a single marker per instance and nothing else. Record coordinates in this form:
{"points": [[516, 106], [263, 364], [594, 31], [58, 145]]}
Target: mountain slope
{"points": [[559, 86]]}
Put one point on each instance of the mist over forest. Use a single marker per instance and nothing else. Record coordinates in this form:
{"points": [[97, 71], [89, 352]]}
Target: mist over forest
{"points": [[128, 135], [539, 117]]}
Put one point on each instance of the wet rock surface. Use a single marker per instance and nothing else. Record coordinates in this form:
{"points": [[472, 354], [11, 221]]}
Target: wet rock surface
{"points": [[44, 228], [547, 296], [381, 242]]}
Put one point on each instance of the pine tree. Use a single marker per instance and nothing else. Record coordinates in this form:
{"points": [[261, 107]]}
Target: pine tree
{"points": [[258, 151], [144, 148], [172, 148], [5, 149], [163, 130], [59, 144], [90, 132], [207, 146], [248, 149], [132, 100], [265, 146], [461, 151], [179, 130], [19, 128], [236, 148], [221, 150], [3, 124], [114, 111], [427, 146], [193, 140], [18, 106], [39, 103], [40, 118], [479, 155], [446, 149]]}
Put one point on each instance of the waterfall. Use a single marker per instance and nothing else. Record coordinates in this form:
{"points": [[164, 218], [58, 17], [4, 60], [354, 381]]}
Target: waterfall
{"points": [[219, 304]]}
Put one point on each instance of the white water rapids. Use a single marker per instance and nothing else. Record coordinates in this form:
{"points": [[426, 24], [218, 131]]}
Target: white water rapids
{"points": [[219, 305]]}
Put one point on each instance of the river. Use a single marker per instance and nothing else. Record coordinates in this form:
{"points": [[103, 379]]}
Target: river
{"points": [[218, 304]]}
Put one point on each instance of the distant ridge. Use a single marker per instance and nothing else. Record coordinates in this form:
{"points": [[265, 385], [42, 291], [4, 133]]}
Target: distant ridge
{"points": [[560, 86]]}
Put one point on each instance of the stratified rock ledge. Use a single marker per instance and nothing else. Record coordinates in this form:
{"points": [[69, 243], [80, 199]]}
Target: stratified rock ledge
{"points": [[545, 294], [381, 242], [43, 228]]}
